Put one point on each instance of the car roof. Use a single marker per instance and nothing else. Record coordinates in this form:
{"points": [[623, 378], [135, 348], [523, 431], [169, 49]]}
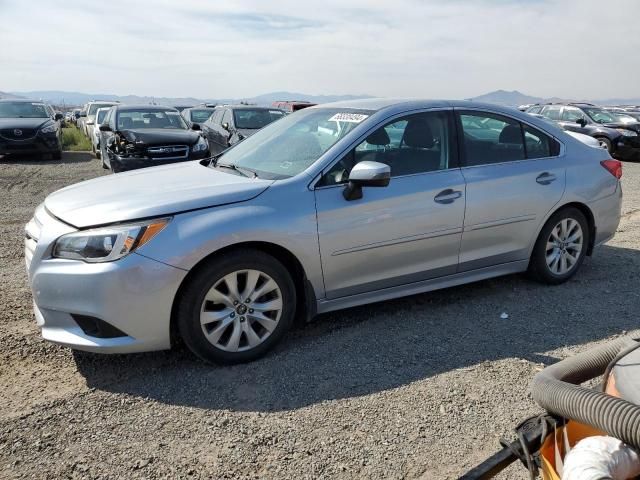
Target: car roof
{"points": [[404, 104], [122, 108], [248, 107]]}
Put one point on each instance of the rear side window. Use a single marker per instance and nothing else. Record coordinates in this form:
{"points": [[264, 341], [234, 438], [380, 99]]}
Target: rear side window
{"points": [[488, 138], [552, 112]]}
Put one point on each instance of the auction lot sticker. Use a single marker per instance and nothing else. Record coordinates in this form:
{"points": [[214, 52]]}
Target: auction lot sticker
{"points": [[348, 117]]}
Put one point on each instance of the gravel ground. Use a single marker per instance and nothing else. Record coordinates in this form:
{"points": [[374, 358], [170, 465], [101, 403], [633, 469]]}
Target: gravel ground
{"points": [[421, 387]]}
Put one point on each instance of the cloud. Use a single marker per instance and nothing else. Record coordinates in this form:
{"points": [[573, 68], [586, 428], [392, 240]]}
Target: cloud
{"points": [[425, 48]]}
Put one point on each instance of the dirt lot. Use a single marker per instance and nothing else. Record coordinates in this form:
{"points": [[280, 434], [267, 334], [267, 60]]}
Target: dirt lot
{"points": [[420, 387]]}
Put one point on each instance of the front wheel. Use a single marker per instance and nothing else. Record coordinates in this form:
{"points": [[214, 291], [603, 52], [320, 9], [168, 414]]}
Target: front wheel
{"points": [[561, 247], [605, 143], [236, 307]]}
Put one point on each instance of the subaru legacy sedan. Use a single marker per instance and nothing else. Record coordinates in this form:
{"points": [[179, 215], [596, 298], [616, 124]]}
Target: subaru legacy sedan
{"points": [[333, 206]]}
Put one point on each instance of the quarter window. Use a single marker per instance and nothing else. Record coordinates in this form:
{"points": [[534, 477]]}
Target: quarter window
{"points": [[413, 144]]}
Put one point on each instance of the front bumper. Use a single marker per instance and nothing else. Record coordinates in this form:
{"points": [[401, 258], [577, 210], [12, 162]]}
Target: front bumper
{"points": [[37, 144], [123, 164], [134, 295]]}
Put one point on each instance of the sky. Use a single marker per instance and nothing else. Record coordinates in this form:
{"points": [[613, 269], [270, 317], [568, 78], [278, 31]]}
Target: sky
{"points": [[393, 48]]}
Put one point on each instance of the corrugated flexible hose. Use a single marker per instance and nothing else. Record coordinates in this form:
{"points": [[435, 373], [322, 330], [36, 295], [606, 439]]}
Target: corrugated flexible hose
{"points": [[557, 390]]}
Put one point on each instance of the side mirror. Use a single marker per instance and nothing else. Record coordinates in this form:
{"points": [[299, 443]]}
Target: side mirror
{"points": [[225, 125], [366, 174], [59, 116], [581, 121], [83, 114], [105, 127], [195, 126]]}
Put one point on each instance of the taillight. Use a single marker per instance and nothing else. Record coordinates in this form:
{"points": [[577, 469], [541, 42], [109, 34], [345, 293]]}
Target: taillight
{"points": [[614, 167]]}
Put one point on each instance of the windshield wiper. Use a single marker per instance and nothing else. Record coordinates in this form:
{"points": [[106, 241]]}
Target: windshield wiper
{"points": [[242, 170]]}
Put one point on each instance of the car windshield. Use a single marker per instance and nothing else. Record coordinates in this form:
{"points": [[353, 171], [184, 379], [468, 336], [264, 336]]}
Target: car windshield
{"points": [[599, 115], [201, 115], [100, 116], [255, 118], [95, 106], [150, 118], [23, 110], [289, 146]]}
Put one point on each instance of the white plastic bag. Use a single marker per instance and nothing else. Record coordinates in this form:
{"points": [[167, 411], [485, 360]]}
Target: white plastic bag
{"points": [[598, 458]]}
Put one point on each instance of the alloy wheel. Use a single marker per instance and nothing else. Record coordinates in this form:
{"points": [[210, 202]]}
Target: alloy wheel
{"points": [[241, 310], [564, 246]]}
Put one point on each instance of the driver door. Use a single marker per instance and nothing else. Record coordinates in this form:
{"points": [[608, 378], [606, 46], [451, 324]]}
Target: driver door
{"points": [[406, 232]]}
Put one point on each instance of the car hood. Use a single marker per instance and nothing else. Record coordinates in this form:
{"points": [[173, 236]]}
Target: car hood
{"points": [[150, 192], [626, 126], [161, 136], [23, 122]]}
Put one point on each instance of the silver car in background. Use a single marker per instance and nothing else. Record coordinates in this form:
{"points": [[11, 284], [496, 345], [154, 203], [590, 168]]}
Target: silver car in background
{"points": [[333, 206]]}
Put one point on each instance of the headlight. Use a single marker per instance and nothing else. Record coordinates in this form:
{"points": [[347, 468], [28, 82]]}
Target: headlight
{"points": [[200, 146], [49, 129], [109, 243], [627, 133]]}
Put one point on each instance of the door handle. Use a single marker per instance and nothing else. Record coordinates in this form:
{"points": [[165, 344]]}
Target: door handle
{"points": [[545, 178], [447, 196]]}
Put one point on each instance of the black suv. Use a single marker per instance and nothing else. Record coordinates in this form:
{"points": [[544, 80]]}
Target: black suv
{"points": [[622, 140], [146, 135], [231, 123], [28, 127]]}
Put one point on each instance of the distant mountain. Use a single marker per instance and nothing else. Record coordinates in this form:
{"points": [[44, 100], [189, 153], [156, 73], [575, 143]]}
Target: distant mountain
{"points": [[77, 98], [515, 98], [8, 95]]}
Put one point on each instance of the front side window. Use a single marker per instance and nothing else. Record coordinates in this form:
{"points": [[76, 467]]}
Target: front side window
{"points": [[254, 119], [412, 144], [95, 106], [571, 114], [200, 115], [151, 118]]}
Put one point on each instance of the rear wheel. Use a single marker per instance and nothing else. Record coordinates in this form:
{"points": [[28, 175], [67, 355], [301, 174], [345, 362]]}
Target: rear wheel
{"points": [[561, 247], [236, 307]]}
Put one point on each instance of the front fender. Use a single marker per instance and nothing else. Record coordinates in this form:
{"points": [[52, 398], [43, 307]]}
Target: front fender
{"points": [[279, 216]]}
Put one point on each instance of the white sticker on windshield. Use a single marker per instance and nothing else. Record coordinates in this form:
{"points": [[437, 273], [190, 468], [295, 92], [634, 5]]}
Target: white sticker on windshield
{"points": [[348, 117]]}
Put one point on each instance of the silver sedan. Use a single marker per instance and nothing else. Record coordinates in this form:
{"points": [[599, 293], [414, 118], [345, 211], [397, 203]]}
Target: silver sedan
{"points": [[333, 206]]}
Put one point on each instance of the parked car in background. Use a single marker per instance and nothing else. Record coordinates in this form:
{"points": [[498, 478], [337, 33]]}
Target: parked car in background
{"points": [[137, 136], [180, 108], [291, 106], [627, 111], [197, 115], [335, 206], [96, 134], [586, 139], [28, 127], [92, 108], [622, 140], [81, 118], [230, 124]]}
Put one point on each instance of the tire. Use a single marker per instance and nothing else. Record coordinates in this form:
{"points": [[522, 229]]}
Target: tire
{"points": [[227, 313], [604, 141], [547, 262]]}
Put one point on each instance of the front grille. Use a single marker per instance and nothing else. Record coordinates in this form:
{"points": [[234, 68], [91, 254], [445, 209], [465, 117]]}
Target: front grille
{"points": [[166, 152], [18, 133], [31, 236]]}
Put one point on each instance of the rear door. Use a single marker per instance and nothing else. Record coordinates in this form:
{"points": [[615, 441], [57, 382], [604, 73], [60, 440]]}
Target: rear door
{"points": [[514, 177], [405, 232]]}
